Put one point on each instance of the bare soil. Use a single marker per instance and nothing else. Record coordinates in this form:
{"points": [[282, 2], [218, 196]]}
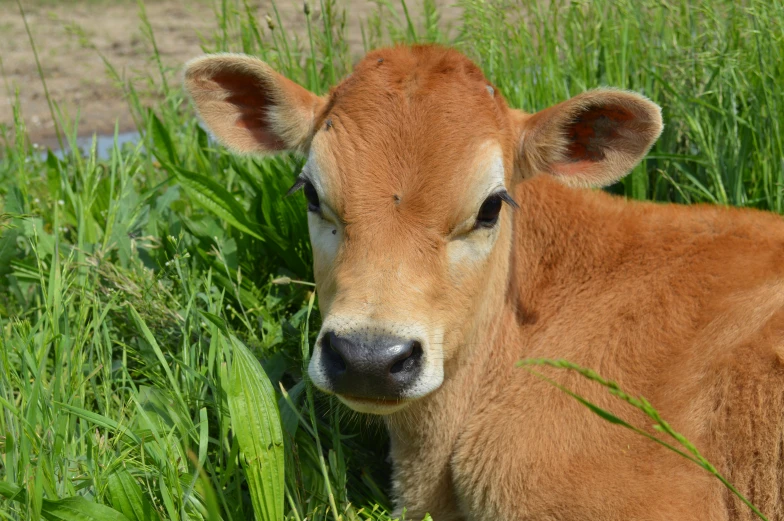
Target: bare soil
{"points": [[70, 35]]}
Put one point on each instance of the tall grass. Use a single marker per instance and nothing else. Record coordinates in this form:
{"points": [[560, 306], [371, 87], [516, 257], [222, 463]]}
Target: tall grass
{"points": [[137, 294], [714, 67]]}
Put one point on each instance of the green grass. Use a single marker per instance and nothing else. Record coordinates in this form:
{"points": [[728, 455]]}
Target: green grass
{"points": [[136, 293]]}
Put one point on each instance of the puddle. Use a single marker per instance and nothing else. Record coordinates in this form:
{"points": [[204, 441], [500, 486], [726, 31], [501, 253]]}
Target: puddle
{"points": [[104, 144]]}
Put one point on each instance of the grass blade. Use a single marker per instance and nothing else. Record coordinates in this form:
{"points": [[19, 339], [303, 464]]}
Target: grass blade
{"points": [[218, 200], [79, 509], [127, 497], [641, 404], [74, 508], [255, 420]]}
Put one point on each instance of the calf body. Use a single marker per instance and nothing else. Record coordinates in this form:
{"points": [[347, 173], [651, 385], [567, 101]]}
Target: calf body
{"points": [[453, 237], [683, 305]]}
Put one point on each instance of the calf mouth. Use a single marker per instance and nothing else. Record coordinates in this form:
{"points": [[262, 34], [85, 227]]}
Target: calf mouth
{"points": [[378, 406]]}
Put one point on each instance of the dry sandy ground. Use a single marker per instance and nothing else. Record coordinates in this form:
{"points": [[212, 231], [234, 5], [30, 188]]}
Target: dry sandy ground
{"points": [[68, 34]]}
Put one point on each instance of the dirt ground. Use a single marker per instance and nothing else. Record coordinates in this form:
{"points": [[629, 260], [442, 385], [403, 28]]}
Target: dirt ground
{"points": [[69, 33]]}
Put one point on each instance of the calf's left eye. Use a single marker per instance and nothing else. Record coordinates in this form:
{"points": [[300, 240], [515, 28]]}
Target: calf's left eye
{"points": [[489, 212], [314, 205]]}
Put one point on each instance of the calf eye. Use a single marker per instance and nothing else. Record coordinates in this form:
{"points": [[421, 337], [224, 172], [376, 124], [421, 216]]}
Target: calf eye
{"points": [[310, 193], [312, 196], [489, 211]]}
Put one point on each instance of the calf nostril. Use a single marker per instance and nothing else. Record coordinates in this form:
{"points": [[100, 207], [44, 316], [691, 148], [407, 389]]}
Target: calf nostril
{"points": [[408, 360], [332, 358]]}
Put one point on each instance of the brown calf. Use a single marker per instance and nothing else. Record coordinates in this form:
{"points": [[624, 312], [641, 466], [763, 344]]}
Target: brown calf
{"points": [[452, 238]]}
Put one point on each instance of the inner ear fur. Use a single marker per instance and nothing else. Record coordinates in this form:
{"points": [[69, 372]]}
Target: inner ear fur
{"points": [[248, 106], [593, 139]]}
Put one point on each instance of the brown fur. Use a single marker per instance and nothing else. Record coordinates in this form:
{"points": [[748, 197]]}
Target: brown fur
{"points": [[683, 305]]}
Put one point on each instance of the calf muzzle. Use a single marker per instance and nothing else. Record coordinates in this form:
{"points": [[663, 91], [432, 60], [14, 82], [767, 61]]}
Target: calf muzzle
{"points": [[377, 368]]}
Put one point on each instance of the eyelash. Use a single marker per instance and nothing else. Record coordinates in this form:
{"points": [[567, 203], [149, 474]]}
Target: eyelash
{"points": [[314, 205], [298, 183]]}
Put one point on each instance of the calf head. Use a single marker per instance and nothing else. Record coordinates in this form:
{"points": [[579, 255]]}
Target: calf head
{"points": [[411, 163]]}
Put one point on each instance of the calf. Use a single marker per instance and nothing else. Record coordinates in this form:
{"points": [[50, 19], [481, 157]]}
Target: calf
{"points": [[453, 236]]}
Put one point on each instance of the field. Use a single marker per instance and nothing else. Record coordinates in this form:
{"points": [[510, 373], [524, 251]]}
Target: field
{"points": [[157, 305]]}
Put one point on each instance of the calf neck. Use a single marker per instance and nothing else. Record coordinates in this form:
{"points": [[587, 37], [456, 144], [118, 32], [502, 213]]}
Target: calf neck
{"points": [[453, 236]]}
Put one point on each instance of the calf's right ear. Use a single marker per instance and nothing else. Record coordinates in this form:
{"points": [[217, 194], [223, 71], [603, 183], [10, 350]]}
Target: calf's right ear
{"points": [[250, 107]]}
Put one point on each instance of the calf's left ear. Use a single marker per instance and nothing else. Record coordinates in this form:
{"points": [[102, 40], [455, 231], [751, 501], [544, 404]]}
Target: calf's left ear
{"points": [[250, 107], [593, 139]]}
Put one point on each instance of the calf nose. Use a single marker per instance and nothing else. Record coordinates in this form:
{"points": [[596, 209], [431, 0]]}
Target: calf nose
{"points": [[371, 367]]}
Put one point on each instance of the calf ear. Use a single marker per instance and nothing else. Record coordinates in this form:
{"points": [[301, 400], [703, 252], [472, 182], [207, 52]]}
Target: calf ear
{"points": [[593, 139], [250, 107]]}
